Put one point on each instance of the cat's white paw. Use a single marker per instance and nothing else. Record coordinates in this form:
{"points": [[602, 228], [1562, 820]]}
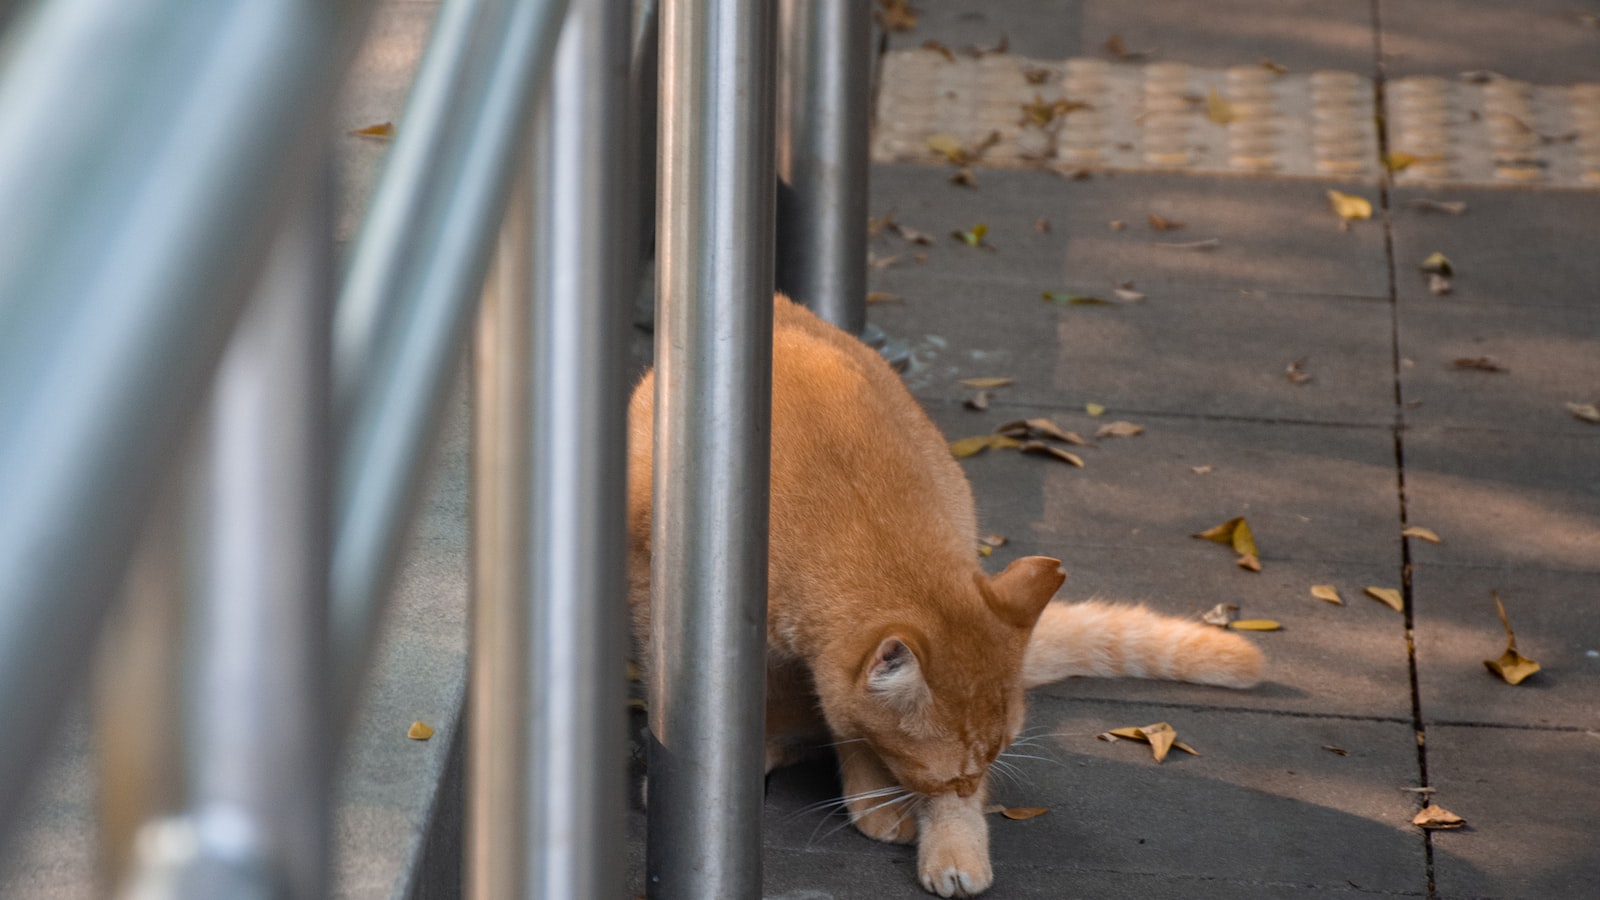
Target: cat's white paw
{"points": [[950, 877]]}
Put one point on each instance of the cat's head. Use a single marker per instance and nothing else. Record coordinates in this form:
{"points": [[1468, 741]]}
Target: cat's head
{"points": [[939, 698]]}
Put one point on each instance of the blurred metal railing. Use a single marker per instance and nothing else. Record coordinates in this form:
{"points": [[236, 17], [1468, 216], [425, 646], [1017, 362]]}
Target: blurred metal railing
{"points": [[160, 157]]}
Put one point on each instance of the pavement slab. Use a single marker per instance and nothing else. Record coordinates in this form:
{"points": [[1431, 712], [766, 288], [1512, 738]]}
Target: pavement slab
{"points": [[1529, 797], [1551, 41]]}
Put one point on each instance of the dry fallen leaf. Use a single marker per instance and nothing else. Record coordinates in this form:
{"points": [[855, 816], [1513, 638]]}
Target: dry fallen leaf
{"points": [[974, 236], [896, 15], [1349, 207], [1042, 113], [1040, 428], [1162, 223], [883, 297], [1041, 225], [1588, 412], [978, 401], [1439, 285], [948, 146], [964, 177], [1218, 109], [993, 540], [1236, 533], [1116, 225], [987, 383], [1119, 429], [1479, 363], [915, 236], [1512, 667], [1202, 470], [984, 550], [1438, 264], [419, 731], [1274, 68], [1220, 615], [1127, 294], [1421, 534], [1436, 818], [1094, 409], [1063, 298], [1399, 160], [1336, 751], [1161, 737], [1071, 459], [939, 48], [972, 446], [1296, 372], [1387, 596], [637, 703], [1255, 625], [1118, 48], [383, 131], [1023, 813], [1328, 593]]}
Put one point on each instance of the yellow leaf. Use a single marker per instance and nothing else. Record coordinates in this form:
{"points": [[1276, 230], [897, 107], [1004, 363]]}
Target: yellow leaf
{"points": [[1422, 534], [1512, 667], [948, 146], [1255, 625], [419, 731], [1436, 818], [1218, 109], [1236, 533], [1327, 592], [972, 446], [1161, 737], [1349, 207], [1023, 813], [1438, 264], [1180, 745], [1041, 427], [1399, 160], [1119, 429], [985, 550], [382, 131], [974, 237], [637, 703], [1094, 409], [983, 384], [1387, 596], [882, 297]]}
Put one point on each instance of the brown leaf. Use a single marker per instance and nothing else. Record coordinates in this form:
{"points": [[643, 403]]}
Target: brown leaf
{"points": [[987, 382], [1071, 459], [978, 401], [1421, 534], [883, 297], [1063, 298], [1399, 160], [964, 177], [1436, 818], [1274, 68], [1041, 428], [1023, 813], [1162, 223], [1336, 751], [1220, 615], [1587, 412], [1236, 534], [1296, 372], [876, 262], [1041, 225], [383, 131], [1480, 363], [939, 48], [1387, 596], [1119, 429], [1512, 667], [915, 236], [1255, 625], [896, 15], [419, 731], [1328, 593]]}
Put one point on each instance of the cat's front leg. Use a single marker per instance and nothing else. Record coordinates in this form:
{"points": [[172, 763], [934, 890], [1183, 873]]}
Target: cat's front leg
{"points": [[953, 845], [880, 808]]}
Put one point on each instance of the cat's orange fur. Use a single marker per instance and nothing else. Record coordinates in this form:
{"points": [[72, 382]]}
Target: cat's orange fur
{"points": [[884, 636]]}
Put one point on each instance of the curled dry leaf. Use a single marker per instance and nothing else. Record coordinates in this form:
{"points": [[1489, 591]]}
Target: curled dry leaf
{"points": [[972, 446], [1349, 207], [1512, 667], [1255, 625], [1479, 363], [896, 15], [1220, 615], [1218, 109], [1421, 534], [915, 236], [419, 731], [993, 540], [1438, 264], [1587, 412], [637, 704], [1236, 534], [964, 177], [972, 237], [978, 401], [1118, 429], [1399, 160], [1023, 813], [1296, 372], [1041, 113], [383, 131], [1161, 737], [939, 48], [1387, 596], [950, 147], [1274, 68], [1436, 818], [987, 382], [1328, 593], [1336, 751], [1040, 428], [1162, 223], [1071, 459]]}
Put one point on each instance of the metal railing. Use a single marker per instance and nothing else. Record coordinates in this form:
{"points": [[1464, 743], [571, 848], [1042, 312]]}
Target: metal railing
{"points": [[191, 410]]}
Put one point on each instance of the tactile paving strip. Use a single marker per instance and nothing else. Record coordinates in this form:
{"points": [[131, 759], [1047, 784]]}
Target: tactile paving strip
{"points": [[1086, 113]]}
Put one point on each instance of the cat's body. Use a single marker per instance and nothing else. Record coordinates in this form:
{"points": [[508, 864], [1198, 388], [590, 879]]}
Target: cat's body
{"points": [[884, 636]]}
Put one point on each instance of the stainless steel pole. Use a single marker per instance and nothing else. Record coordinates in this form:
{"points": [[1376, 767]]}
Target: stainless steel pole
{"points": [[712, 433], [258, 730], [497, 697], [824, 95], [584, 279], [146, 151]]}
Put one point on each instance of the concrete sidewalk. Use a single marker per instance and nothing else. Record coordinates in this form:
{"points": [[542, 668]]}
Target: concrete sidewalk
{"points": [[1301, 788]]}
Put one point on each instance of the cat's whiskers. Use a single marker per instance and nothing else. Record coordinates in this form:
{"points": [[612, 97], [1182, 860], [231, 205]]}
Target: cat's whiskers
{"points": [[1032, 756], [834, 804], [903, 798]]}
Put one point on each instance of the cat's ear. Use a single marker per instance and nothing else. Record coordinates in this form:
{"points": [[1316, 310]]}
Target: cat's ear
{"points": [[895, 676], [1022, 590]]}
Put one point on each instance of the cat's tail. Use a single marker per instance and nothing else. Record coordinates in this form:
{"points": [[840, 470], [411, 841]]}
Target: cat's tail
{"points": [[1107, 640]]}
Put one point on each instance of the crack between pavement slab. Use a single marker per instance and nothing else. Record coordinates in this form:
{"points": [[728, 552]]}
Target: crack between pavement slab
{"points": [[1210, 707], [1385, 178]]}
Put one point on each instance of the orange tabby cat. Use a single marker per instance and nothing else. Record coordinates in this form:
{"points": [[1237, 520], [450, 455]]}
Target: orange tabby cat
{"points": [[884, 636]]}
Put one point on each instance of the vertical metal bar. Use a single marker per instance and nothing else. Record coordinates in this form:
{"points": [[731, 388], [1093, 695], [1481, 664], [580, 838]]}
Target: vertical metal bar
{"points": [[584, 268], [258, 729], [498, 691], [646, 102], [824, 94], [712, 433]]}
